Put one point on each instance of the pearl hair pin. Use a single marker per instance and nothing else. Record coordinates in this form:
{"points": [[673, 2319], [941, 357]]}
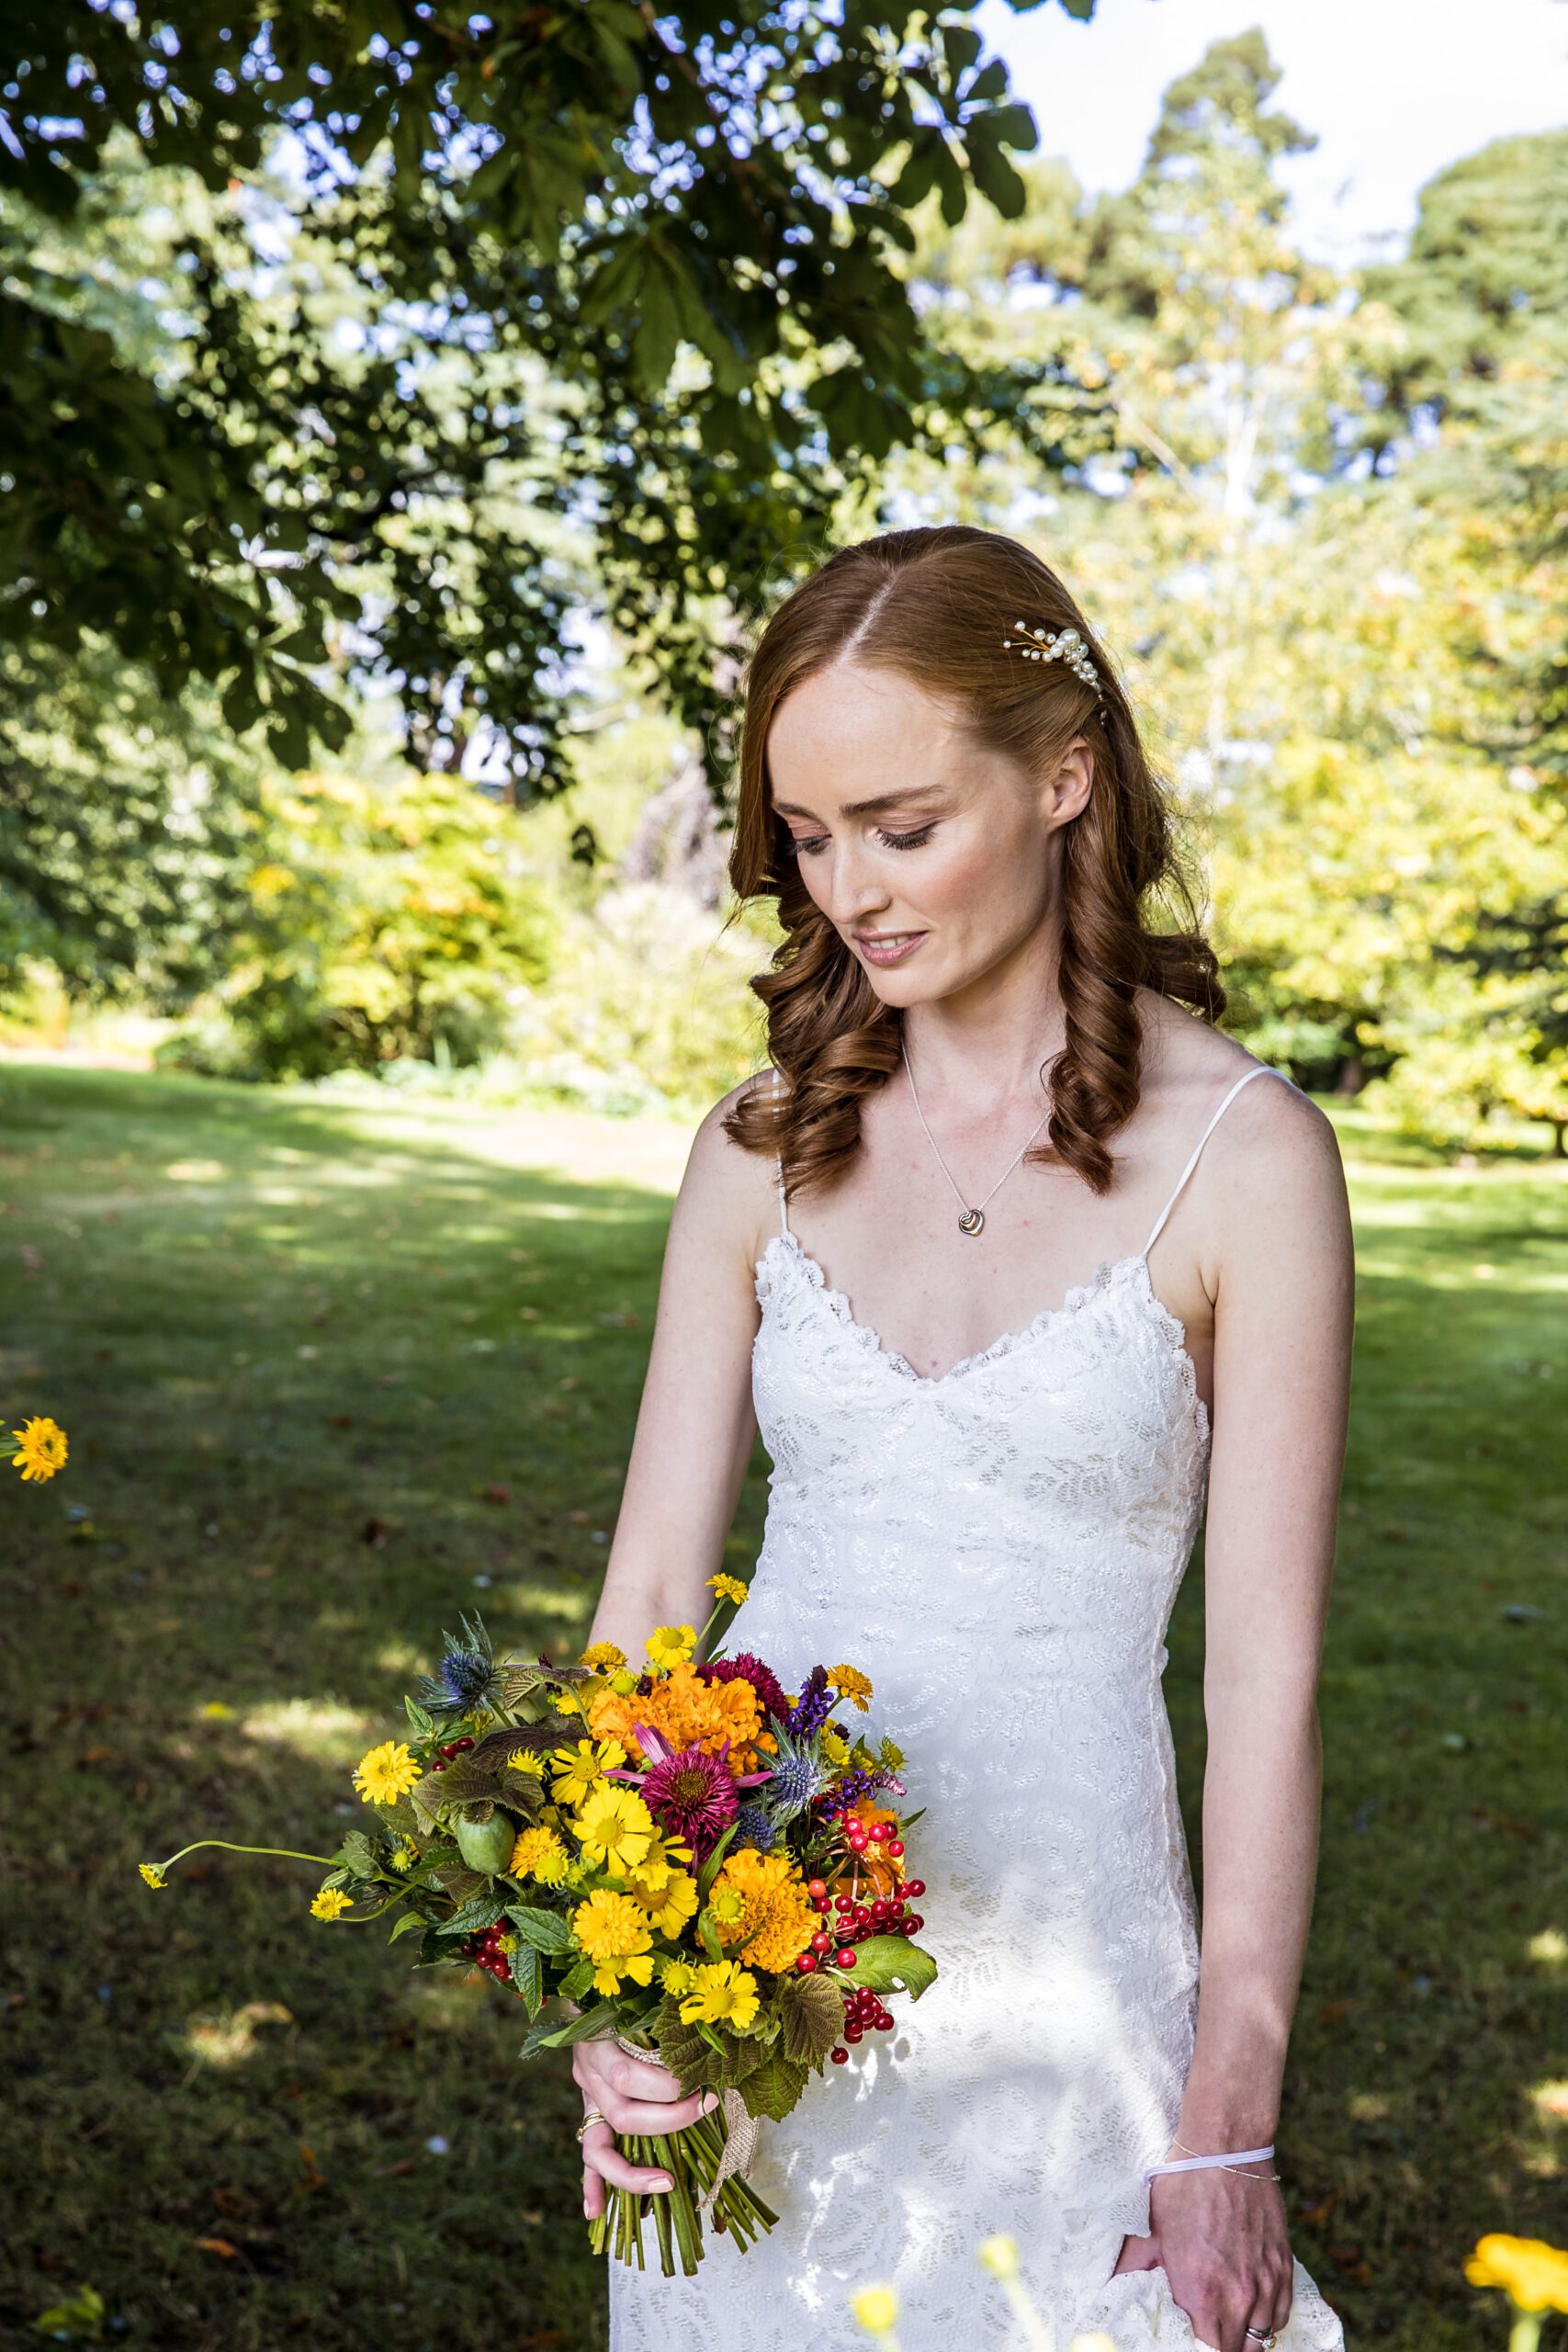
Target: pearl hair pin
{"points": [[1062, 645]]}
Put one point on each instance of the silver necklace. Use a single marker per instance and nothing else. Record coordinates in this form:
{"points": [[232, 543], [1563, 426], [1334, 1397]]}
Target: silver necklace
{"points": [[972, 1220]]}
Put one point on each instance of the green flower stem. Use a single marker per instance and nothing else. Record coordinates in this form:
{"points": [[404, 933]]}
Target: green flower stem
{"points": [[1525, 2333], [284, 1853]]}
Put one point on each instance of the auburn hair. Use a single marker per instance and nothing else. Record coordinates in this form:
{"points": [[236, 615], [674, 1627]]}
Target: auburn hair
{"points": [[934, 606]]}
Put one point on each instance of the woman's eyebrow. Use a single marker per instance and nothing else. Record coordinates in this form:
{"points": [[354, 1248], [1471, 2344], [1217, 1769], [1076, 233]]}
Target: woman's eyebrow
{"points": [[865, 808]]}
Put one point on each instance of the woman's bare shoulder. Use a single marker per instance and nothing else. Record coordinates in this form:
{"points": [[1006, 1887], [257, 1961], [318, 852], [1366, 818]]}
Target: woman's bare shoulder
{"points": [[732, 1190], [1271, 1134]]}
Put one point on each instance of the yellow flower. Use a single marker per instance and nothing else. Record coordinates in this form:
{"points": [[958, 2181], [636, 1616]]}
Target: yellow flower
{"points": [[330, 1903], [835, 1746], [669, 1906], [677, 1976], [624, 1681], [151, 1873], [43, 1448], [725, 1994], [777, 1920], [602, 1656], [664, 1857], [875, 2308], [405, 1853], [526, 1759], [579, 1770], [555, 1868], [727, 1905], [566, 1702], [615, 1828], [614, 1932], [669, 1646], [849, 1683], [1000, 2255], [1532, 2273], [728, 1588], [387, 1773], [530, 1851]]}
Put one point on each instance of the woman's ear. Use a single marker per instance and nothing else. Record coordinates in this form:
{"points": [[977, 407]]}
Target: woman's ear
{"points": [[1067, 795]]}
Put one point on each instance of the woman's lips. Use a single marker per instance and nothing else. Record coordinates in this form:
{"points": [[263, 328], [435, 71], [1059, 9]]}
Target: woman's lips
{"points": [[891, 947]]}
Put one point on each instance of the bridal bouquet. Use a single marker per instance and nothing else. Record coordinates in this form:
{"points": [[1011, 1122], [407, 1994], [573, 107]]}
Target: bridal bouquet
{"points": [[683, 1855]]}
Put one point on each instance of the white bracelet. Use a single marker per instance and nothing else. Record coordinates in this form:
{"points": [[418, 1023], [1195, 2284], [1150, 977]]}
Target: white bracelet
{"points": [[1227, 2161]]}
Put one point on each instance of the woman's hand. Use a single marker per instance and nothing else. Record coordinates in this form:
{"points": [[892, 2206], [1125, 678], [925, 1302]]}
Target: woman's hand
{"points": [[633, 2095], [1223, 2244]]}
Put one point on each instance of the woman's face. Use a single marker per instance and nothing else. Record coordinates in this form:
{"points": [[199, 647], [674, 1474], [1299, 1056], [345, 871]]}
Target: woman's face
{"points": [[934, 858]]}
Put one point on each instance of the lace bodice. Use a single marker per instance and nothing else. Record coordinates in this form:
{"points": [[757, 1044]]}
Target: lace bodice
{"points": [[1000, 1546]]}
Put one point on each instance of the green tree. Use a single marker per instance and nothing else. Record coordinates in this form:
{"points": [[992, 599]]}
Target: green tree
{"points": [[695, 219]]}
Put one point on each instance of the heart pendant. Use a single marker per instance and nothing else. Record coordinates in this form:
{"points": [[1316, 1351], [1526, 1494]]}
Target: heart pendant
{"points": [[971, 1221]]}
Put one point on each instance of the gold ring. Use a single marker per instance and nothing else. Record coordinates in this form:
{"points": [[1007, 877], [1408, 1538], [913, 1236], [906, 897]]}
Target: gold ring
{"points": [[594, 2115]]}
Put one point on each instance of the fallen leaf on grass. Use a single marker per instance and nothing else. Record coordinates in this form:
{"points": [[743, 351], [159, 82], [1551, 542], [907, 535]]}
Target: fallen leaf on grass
{"points": [[220, 2246]]}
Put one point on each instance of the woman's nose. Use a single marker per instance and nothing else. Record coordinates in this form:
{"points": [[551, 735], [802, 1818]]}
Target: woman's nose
{"points": [[855, 889]]}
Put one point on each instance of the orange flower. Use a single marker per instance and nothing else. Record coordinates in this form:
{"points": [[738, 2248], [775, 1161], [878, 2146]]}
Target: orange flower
{"points": [[690, 1713], [778, 1921]]}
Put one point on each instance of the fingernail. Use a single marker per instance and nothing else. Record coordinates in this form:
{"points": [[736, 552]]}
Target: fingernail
{"points": [[663, 2181], [710, 2100]]}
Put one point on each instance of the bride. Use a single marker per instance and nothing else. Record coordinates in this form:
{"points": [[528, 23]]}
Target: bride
{"points": [[998, 1105]]}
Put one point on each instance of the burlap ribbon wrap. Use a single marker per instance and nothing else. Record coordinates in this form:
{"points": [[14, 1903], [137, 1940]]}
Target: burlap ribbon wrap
{"points": [[742, 2129]]}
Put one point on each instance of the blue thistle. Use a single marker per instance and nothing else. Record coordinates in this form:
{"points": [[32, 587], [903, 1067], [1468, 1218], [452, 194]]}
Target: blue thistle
{"points": [[753, 1827], [466, 1679], [798, 1776]]}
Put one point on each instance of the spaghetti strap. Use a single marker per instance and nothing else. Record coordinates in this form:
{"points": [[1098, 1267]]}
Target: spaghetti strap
{"points": [[1259, 1069], [778, 1165]]}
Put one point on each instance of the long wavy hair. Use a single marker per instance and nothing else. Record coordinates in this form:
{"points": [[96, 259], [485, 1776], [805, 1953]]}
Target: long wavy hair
{"points": [[934, 606]]}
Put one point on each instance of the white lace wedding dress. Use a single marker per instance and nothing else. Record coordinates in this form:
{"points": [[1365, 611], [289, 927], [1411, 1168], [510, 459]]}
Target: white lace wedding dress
{"points": [[999, 1548]]}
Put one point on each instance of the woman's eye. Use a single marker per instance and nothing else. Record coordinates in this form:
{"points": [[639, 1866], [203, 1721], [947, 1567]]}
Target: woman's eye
{"points": [[909, 840], [807, 848]]}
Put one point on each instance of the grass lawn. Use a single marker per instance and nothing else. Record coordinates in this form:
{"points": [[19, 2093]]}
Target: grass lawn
{"points": [[335, 1372]]}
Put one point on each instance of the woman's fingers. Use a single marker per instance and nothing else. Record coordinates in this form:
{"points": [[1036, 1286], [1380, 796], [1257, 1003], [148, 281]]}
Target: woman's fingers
{"points": [[602, 2157], [634, 2096]]}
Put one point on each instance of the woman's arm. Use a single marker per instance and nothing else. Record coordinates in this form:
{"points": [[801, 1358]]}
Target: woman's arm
{"points": [[693, 1436], [1280, 1270], [696, 1424]]}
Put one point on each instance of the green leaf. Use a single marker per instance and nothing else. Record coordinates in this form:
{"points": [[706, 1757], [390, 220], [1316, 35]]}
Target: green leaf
{"points": [[891, 1965], [811, 2016], [423, 1724], [406, 1924], [578, 1980], [540, 1930], [483, 1911], [528, 1976], [709, 1935], [358, 1854], [555, 2033], [1012, 125], [994, 176], [774, 2087], [706, 2057], [961, 46], [709, 1871]]}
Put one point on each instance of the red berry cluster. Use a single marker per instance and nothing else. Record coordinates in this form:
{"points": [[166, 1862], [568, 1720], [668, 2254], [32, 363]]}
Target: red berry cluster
{"points": [[884, 1914], [485, 1952], [444, 1755]]}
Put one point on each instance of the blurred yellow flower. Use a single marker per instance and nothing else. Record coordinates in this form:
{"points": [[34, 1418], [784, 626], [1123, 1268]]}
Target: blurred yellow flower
{"points": [[725, 1994], [999, 2254], [1532, 2273], [678, 1977], [666, 1855], [151, 1873], [526, 1759], [42, 1448], [330, 1903], [728, 1588], [566, 1702], [875, 2308], [387, 1773]]}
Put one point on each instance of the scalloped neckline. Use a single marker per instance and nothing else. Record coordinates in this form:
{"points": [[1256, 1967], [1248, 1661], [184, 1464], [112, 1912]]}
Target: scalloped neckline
{"points": [[1169, 1326]]}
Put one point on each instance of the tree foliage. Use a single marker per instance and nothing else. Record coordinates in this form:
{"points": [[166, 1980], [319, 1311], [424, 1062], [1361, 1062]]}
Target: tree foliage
{"points": [[696, 220]]}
